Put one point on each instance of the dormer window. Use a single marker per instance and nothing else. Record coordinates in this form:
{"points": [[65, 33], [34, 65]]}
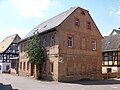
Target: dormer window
{"points": [[89, 25], [45, 26], [77, 22], [82, 12], [107, 44]]}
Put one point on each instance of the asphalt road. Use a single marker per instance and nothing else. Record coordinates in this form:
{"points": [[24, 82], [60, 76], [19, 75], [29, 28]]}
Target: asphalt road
{"points": [[9, 82]]}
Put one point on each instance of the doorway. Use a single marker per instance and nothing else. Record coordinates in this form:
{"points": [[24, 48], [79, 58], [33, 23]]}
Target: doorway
{"points": [[32, 70]]}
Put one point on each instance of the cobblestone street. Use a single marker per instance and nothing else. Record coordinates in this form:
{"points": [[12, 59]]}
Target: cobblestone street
{"points": [[26, 83]]}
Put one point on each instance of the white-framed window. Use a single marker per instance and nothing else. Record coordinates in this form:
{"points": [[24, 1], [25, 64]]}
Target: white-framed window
{"points": [[70, 41], [94, 45]]}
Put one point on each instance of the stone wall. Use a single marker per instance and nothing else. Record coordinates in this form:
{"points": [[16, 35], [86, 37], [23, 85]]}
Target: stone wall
{"points": [[79, 63]]}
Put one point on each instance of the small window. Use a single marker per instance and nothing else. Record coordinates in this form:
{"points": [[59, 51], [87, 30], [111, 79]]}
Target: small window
{"points": [[45, 41], [82, 12], [51, 67], [89, 25], [13, 51], [52, 40], [70, 41], [77, 22], [8, 61], [5, 57], [94, 45]]}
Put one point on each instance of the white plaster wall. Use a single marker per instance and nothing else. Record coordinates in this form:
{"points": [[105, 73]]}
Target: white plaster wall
{"points": [[114, 69], [3, 66], [104, 69]]}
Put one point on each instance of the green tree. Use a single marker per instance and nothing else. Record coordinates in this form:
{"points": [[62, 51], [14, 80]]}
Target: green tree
{"points": [[36, 53]]}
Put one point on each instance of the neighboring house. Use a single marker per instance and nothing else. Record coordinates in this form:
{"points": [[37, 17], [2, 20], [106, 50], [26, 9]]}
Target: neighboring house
{"points": [[9, 50], [115, 31], [111, 54], [74, 47]]}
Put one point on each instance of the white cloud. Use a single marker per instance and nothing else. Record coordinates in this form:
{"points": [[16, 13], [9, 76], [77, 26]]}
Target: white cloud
{"points": [[33, 8], [13, 30], [112, 11], [118, 12]]}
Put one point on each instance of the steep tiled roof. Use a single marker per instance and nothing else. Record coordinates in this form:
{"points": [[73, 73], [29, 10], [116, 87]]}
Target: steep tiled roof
{"points": [[111, 42], [6, 43], [51, 23]]}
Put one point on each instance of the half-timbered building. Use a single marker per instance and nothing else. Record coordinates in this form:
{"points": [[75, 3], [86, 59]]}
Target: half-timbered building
{"points": [[8, 51], [111, 54]]}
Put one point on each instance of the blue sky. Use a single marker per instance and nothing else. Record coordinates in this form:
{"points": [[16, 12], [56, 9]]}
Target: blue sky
{"points": [[21, 16]]}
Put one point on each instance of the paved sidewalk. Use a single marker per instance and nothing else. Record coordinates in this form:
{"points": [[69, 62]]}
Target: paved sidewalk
{"points": [[25, 83]]}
